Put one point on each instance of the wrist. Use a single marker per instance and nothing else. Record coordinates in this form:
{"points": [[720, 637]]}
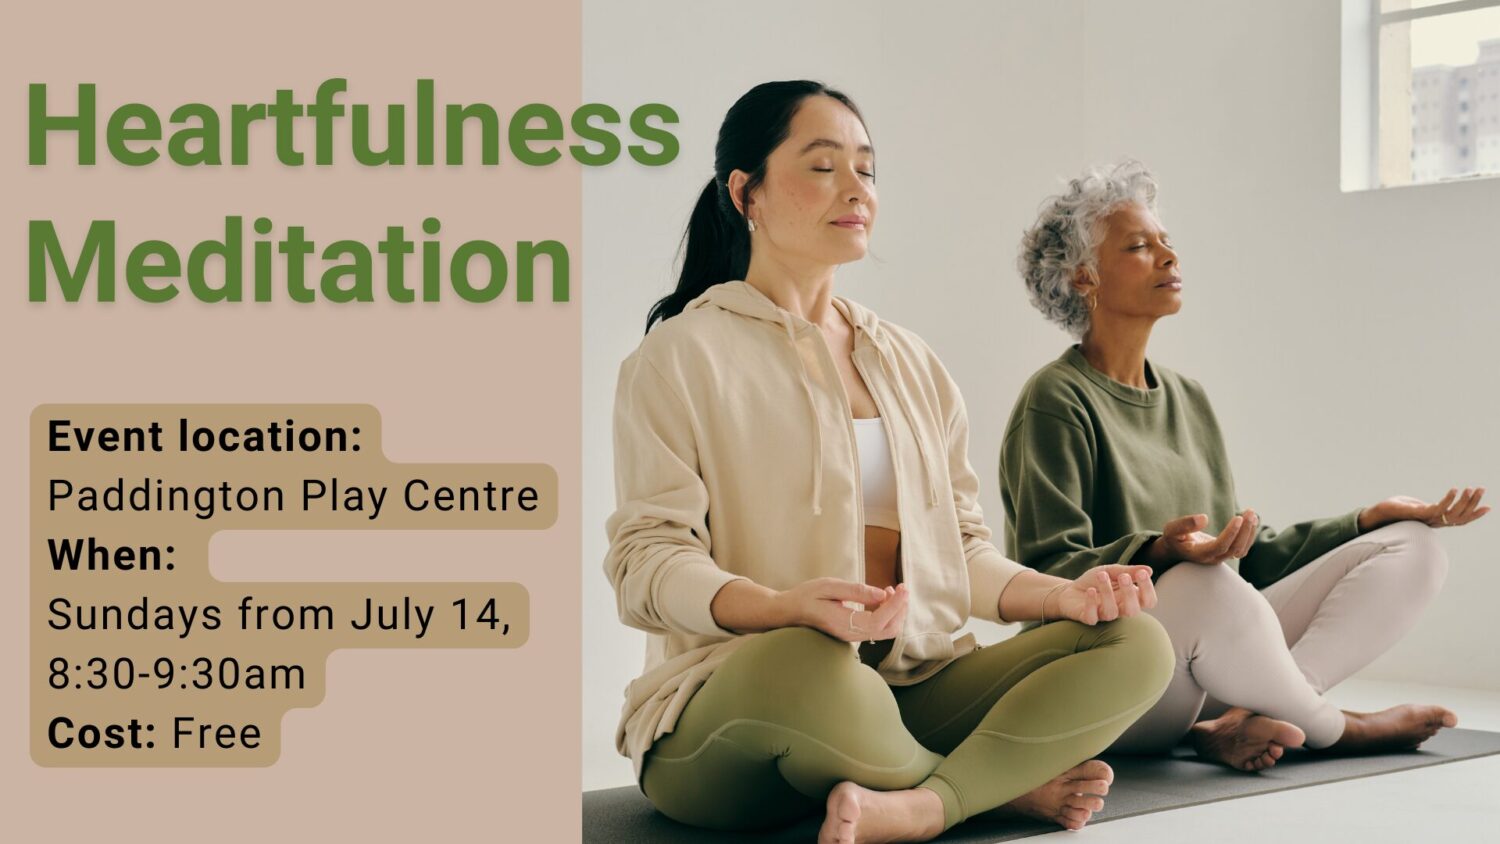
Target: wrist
{"points": [[1369, 519], [1052, 603], [783, 611], [743, 606]]}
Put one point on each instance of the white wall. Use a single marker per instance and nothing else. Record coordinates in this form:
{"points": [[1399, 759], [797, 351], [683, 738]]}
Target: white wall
{"points": [[1342, 336]]}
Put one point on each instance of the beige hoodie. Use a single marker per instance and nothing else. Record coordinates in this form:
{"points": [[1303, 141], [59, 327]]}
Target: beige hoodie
{"points": [[732, 416]]}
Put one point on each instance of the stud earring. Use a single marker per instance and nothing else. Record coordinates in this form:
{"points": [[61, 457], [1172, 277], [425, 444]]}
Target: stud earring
{"points": [[752, 224]]}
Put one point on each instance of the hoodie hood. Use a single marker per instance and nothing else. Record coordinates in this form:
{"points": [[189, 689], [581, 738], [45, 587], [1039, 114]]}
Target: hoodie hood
{"points": [[741, 298]]}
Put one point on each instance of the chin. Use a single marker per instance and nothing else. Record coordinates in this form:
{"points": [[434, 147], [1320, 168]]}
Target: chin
{"points": [[846, 255]]}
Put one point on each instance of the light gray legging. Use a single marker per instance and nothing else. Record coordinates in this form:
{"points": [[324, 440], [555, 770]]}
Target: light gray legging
{"points": [[1276, 651]]}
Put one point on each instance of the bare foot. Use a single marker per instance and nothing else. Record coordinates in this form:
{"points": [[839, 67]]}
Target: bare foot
{"points": [[1398, 728], [857, 815], [1069, 800], [1243, 740]]}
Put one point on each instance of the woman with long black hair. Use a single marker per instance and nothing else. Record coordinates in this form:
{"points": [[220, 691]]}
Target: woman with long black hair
{"points": [[792, 477]]}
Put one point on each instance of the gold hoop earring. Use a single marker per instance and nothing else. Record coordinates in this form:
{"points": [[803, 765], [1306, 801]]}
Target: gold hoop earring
{"points": [[1092, 300]]}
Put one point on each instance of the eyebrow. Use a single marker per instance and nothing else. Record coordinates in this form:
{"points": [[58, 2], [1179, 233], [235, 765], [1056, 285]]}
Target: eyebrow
{"points": [[1144, 233], [831, 144]]}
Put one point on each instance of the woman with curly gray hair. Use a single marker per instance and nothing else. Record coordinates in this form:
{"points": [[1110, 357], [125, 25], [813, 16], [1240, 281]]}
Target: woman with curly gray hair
{"points": [[1111, 458]]}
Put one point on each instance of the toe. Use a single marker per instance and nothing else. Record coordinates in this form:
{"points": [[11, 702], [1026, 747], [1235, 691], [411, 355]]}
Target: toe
{"points": [[1078, 816], [1260, 762], [1095, 769], [1099, 787], [1084, 801]]}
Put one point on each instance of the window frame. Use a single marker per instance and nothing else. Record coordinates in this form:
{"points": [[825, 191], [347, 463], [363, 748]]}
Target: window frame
{"points": [[1363, 22]]}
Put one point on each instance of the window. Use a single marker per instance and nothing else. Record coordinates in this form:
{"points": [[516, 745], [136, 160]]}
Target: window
{"points": [[1408, 67]]}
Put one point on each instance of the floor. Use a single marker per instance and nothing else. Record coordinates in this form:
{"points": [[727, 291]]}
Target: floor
{"points": [[1457, 802]]}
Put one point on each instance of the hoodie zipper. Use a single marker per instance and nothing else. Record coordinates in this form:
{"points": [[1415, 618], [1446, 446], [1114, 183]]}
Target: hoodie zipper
{"points": [[898, 644]]}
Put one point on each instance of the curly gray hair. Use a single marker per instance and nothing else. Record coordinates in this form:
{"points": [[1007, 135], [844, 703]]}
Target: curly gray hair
{"points": [[1067, 234]]}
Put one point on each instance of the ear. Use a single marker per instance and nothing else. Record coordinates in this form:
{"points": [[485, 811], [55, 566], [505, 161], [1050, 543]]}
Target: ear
{"points": [[737, 180], [1083, 280]]}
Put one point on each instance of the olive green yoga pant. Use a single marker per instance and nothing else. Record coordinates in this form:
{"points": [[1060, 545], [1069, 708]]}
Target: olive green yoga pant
{"points": [[794, 712]]}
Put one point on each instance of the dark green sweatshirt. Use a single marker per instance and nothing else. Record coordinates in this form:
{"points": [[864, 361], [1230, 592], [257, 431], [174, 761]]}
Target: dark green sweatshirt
{"points": [[1092, 469]]}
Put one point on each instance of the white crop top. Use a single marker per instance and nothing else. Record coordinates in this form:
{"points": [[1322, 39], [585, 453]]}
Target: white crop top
{"points": [[876, 473]]}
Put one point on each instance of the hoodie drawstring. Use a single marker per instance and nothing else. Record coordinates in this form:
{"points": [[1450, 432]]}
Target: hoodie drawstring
{"points": [[817, 423]]}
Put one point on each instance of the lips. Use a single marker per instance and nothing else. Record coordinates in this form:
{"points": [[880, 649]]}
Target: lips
{"points": [[1174, 283], [850, 221]]}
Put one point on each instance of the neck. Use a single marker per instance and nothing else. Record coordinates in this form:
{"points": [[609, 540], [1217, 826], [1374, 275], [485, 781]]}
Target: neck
{"points": [[1117, 348], [806, 291]]}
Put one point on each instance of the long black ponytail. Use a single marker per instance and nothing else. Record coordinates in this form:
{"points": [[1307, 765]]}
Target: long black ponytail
{"points": [[716, 246]]}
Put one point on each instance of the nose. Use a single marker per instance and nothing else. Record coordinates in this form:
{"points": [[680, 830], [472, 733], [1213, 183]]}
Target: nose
{"points": [[1171, 256], [856, 191]]}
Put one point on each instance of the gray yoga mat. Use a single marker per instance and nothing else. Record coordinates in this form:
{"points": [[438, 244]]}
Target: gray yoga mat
{"points": [[1142, 785]]}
